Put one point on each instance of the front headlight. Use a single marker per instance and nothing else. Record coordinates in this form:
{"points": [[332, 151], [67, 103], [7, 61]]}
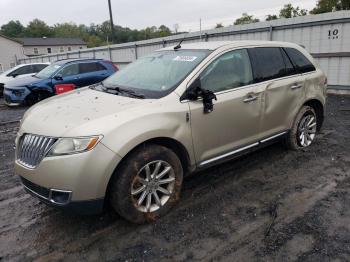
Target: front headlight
{"points": [[68, 146]]}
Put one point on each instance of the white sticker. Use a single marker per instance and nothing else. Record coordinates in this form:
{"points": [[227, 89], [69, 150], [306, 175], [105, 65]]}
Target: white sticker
{"points": [[184, 58]]}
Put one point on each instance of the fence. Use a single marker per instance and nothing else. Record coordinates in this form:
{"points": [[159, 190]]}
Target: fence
{"points": [[325, 36]]}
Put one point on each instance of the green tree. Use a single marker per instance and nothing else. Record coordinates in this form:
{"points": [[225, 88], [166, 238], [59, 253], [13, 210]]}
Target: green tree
{"points": [[12, 29], [289, 11], [324, 6], [38, 28], [246, 19], [271, 17], [219, 25], [164, 31]]}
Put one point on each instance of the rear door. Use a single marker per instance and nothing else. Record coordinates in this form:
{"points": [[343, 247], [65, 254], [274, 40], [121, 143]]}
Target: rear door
{"points": [[284, 89], [91, 73]]}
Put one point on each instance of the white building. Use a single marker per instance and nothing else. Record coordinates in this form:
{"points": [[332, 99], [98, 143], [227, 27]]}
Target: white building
{"points": [[10, 51], [44, 46]]}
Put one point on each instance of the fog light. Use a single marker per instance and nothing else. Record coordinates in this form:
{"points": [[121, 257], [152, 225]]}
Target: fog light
{"points": [[60, 197], [18, 92]]}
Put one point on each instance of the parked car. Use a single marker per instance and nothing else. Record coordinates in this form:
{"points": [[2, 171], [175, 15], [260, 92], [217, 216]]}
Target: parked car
{"points": [[78, 72], [20, 71], [131, 139]]}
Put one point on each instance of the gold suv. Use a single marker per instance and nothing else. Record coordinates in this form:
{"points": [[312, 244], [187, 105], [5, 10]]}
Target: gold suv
{"points": [[129, 140]]}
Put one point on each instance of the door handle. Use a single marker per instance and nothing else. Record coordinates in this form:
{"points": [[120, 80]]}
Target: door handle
{"points": [[250, 98], [296, 86]]}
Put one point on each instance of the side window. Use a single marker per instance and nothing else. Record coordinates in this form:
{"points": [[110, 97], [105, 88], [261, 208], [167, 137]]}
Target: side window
{"points": [[267, 63], [38, 68], [231, 70], [90, 67], [70, 70], [290, 70], [21, 71], [302, 64]]}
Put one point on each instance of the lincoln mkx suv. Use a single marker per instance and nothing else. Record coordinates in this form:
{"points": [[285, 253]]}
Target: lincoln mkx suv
{"points": [[129, 140]]}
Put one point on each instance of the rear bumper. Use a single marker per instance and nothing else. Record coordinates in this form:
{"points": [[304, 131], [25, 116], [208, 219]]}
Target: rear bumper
{"points": [[88, 207]]}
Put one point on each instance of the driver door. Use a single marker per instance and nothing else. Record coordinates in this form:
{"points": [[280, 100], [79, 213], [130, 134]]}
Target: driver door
{"points": [[234, 123], [69, 74]]}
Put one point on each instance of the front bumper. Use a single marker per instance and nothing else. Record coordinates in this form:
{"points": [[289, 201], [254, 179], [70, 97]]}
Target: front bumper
{"points": [[15, 96], [89, 207], [84, 176]]}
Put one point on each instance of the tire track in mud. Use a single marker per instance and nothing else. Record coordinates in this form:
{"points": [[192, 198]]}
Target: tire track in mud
{"points": [[223, 213]]}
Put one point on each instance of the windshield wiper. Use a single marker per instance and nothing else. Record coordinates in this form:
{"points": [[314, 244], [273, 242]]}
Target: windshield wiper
{"points": [[117, 89]]}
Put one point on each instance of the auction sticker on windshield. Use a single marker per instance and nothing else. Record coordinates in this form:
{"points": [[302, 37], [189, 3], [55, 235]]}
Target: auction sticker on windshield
{"points": [[184, 58]]}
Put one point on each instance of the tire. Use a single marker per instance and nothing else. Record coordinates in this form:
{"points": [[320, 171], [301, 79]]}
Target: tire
{"points": [[124, 190], [304, 129], [34, 98]]}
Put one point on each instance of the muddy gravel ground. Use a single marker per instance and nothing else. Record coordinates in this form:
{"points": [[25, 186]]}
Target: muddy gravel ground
{"points": [[271, 205]]}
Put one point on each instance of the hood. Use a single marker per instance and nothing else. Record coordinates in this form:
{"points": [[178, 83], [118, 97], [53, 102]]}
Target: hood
{"points": [[23, 81], [82, 112], [4, 79]]}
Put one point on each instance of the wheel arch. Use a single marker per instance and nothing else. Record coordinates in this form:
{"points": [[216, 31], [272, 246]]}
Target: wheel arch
{"points": [[318, 106], [177, 147]]}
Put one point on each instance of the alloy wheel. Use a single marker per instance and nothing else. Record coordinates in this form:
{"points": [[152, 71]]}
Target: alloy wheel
{"points": [[152, 186], [307, 130]]}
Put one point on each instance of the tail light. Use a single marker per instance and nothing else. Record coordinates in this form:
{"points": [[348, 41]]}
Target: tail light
{"points": [[112, 64]]}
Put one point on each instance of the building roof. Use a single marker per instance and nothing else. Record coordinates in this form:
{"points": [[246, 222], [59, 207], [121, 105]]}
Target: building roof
{"points": [[11, 39], [56, 41]]}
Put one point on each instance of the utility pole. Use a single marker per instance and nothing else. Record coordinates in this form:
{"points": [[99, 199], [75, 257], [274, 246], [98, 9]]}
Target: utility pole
{"points": [[200, 28], [111, 21]]}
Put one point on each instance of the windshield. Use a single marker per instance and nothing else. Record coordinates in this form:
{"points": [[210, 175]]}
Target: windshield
{"points": [[9, 71], [157, 74], [48, 71]]}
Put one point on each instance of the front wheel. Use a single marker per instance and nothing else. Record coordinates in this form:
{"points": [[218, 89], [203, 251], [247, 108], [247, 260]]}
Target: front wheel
{"points": [[304, 129], [147, 185]]}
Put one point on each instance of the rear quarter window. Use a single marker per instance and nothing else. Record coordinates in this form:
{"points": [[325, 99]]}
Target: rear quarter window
{"points": [[301, 63], [90, 67]]}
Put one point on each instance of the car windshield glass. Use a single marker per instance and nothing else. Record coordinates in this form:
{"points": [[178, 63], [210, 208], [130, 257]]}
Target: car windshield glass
{"points": [[157, 74], [9, 71], [47, 71]]}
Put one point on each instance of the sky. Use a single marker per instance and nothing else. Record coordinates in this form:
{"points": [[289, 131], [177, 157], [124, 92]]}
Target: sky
{"points": [[138, 14]]}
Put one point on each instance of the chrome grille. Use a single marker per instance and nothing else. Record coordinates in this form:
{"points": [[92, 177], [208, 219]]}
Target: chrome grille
{"points": [[31, 149]]}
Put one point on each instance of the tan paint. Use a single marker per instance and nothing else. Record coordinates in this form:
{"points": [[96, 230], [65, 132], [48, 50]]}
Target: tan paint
{"points": [[127, 122]]}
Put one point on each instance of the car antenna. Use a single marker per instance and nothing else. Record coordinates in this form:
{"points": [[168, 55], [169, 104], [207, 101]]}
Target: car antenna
{"points": [[179, 44]]}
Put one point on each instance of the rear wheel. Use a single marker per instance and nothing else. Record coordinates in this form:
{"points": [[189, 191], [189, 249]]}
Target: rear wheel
{"points": [[147, 185], [304, 129]]}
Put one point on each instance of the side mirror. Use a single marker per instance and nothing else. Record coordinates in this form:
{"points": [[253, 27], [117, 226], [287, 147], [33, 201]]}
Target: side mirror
{"points": [[195, 91], [58, 77], [14, 75]]}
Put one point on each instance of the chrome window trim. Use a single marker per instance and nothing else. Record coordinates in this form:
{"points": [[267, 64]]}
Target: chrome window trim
{"points": [[203, 67]]}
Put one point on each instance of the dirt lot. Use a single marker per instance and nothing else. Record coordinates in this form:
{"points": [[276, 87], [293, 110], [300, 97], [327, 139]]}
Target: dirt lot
{"points": [[272, 205]]}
